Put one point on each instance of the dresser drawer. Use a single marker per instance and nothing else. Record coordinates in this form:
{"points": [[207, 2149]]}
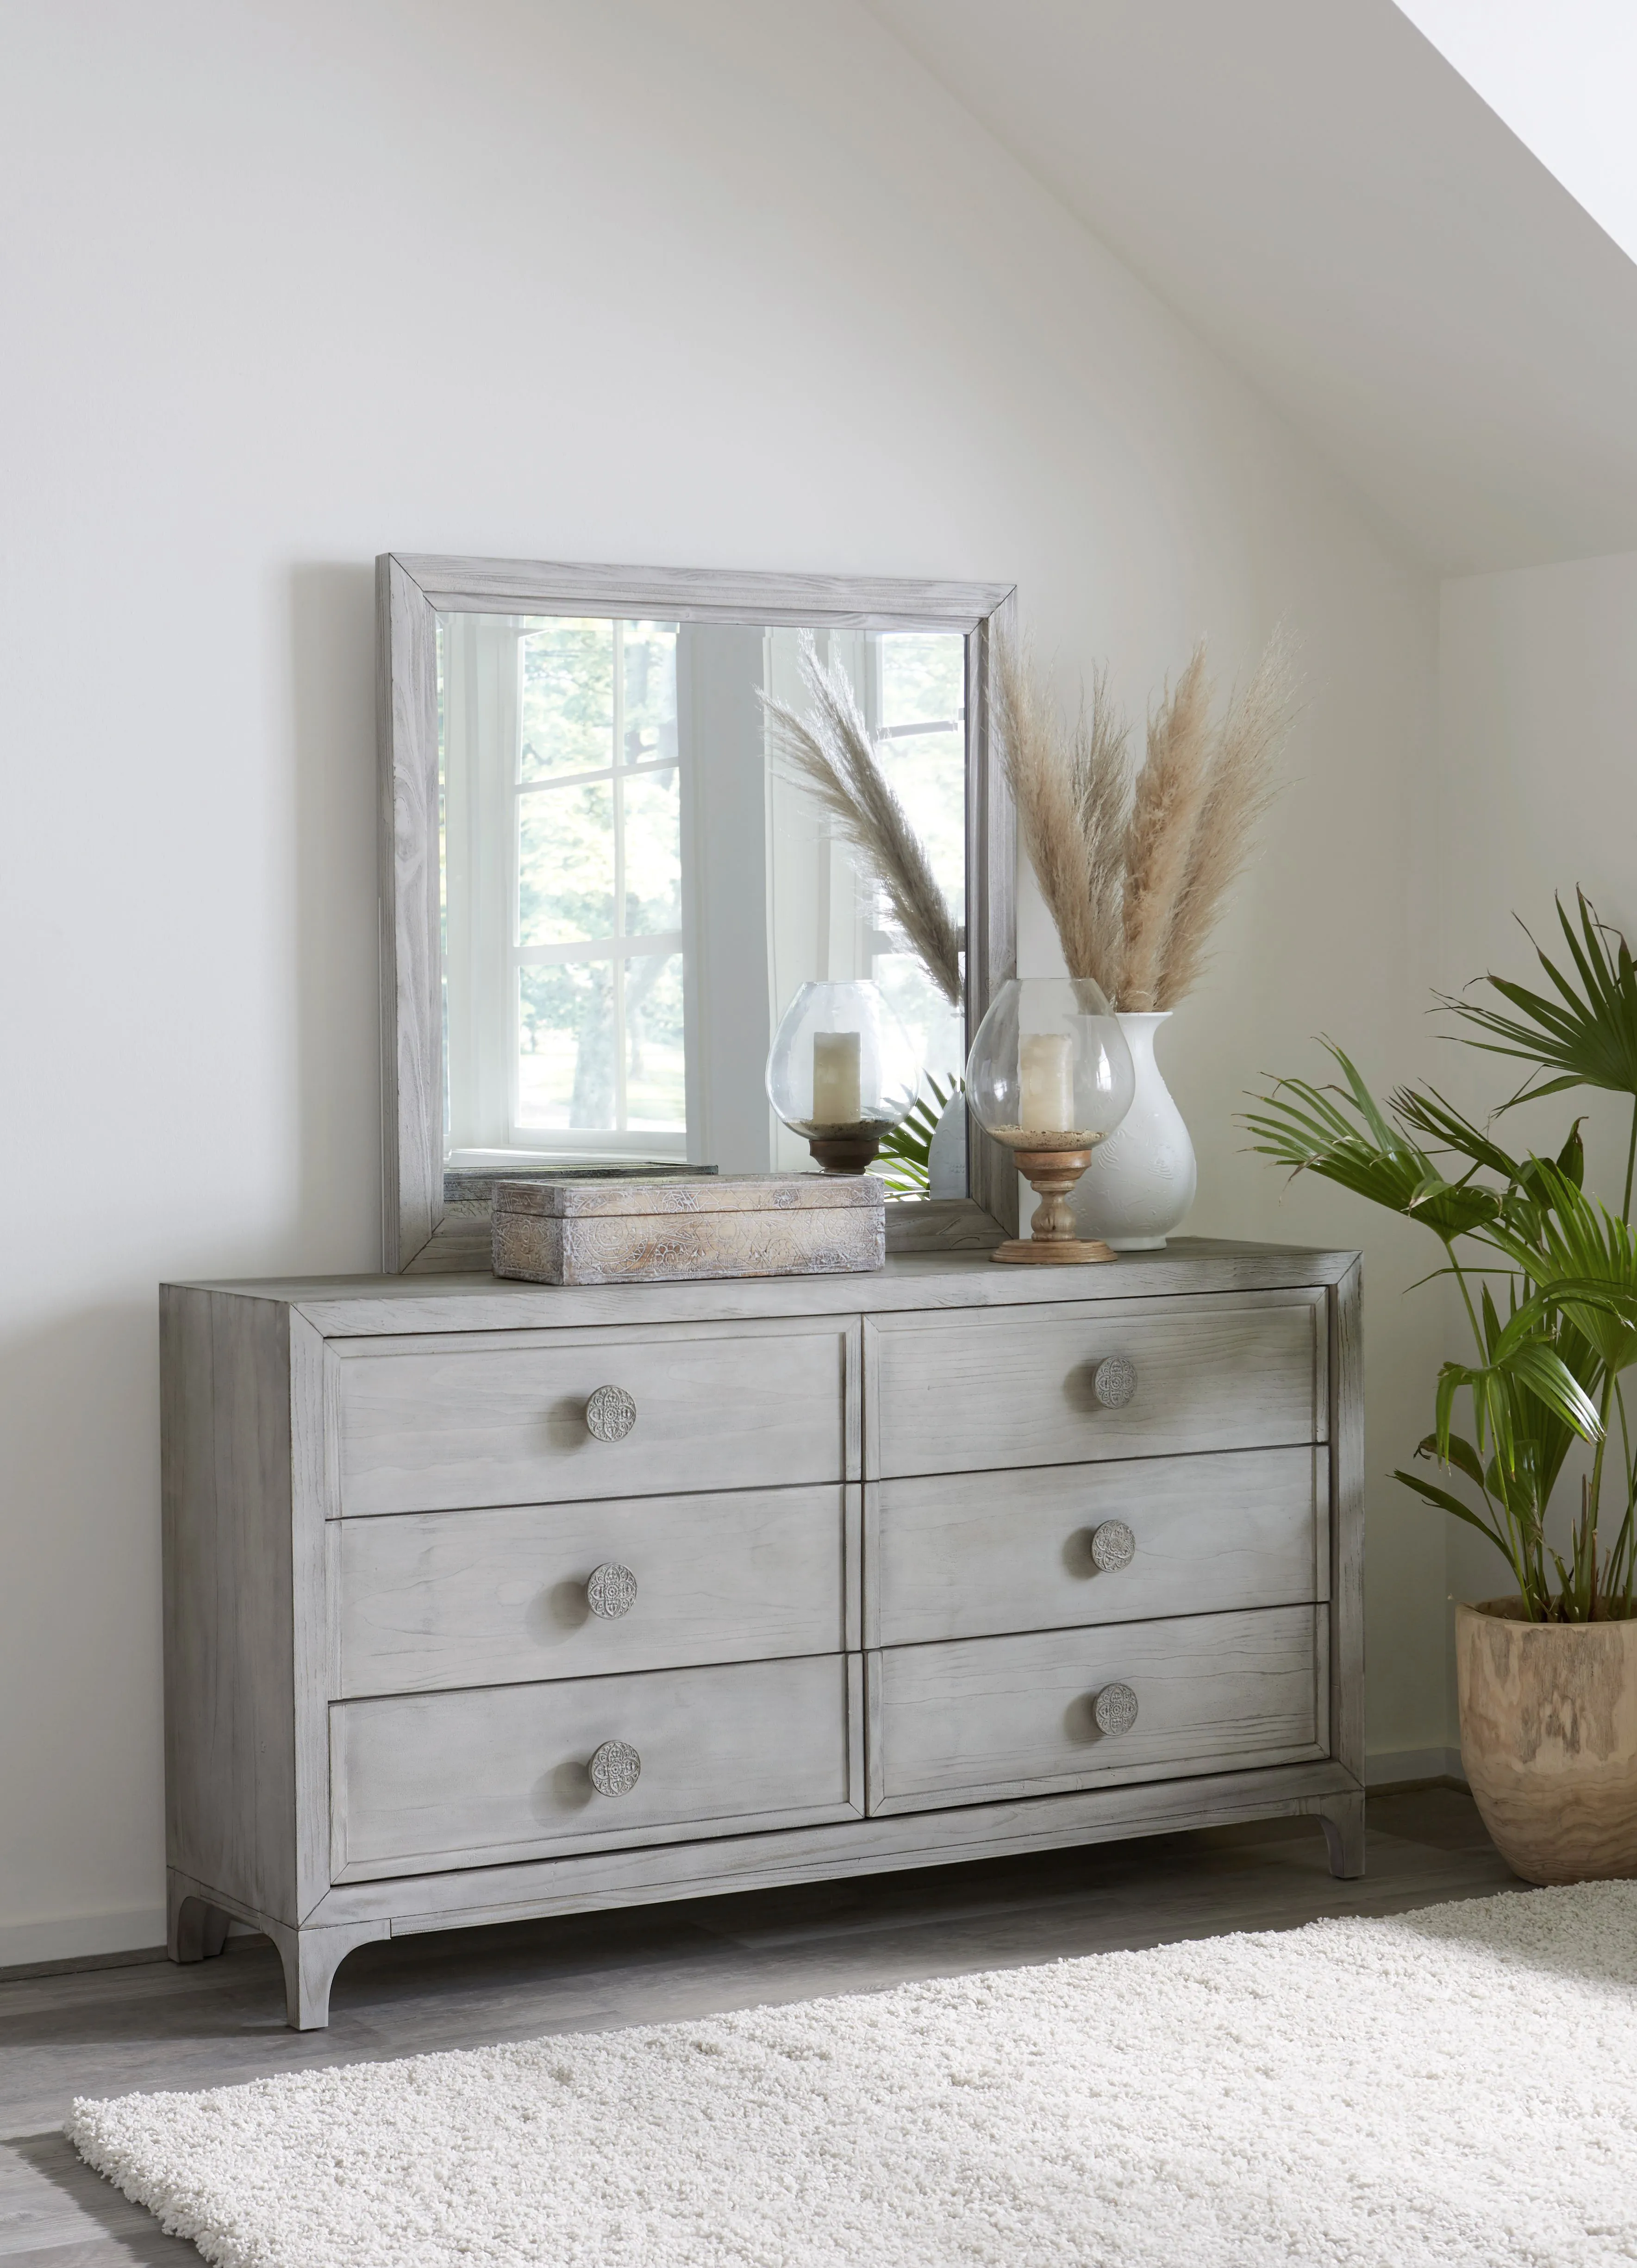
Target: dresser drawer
{"points": [[991, 1718], [1101, 1379], [444, 1599], [429, 1781], [967, 1555], [521, 1417]]}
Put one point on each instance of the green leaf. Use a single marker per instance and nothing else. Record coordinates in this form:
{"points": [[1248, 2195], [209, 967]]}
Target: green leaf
{"points": [[906, 1147], [1461, 1455], [1445, 1502], [1428, 1112], [1587, 1036], [1549, 1378], [1583, 1259], [1342, 1135]]}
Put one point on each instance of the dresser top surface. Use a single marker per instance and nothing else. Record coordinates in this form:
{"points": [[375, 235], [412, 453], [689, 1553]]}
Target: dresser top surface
{"points": [[351, 1307]]}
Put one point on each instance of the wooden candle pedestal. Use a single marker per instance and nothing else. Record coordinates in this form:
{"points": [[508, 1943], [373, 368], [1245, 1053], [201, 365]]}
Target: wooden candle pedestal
{"points": [[846, 1149], [1051, 1241]]}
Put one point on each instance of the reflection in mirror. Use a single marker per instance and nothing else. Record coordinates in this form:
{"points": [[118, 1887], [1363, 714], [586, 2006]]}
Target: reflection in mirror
{"points": [[633, 889]]}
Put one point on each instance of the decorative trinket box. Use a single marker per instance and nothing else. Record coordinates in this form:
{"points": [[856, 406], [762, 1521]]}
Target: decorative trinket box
{"points": [[671, 1231]]}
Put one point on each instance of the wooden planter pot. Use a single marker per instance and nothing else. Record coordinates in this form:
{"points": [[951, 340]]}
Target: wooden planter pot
{"points": [[1549, 1740]]}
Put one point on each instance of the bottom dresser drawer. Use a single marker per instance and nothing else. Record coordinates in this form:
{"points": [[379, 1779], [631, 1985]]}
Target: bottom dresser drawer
{"points": [[979, 1719], [424, 1782]]}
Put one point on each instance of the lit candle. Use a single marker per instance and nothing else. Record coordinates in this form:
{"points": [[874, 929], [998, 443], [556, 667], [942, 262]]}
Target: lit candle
{"points": [[1048, 1082], [837, 1079]]}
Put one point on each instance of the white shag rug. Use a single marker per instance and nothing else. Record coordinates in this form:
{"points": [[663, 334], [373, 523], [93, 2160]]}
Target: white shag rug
{"points": [[1455, 2086]]}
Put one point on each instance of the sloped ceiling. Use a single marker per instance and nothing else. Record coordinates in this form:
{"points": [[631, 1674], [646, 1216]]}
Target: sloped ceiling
{"points": [[1328, 202]]}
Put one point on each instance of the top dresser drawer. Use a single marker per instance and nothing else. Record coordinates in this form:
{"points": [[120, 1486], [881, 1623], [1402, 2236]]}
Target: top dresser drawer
{"points": [[439, 1424], [1109, 1378]]}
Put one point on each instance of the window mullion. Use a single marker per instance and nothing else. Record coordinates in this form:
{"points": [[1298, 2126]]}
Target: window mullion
{"points": [[618, 904]]}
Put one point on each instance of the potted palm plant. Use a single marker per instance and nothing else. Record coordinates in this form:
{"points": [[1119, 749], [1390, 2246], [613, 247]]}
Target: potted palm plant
{"points": [[1547, 1277]]}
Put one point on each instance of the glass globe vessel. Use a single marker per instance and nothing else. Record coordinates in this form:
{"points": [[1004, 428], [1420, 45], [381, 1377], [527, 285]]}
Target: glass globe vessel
{"points": [[842, 1071], [1050, 1075]]}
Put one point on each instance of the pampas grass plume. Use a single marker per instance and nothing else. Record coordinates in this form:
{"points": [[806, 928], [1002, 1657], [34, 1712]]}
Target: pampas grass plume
{"points": [[1134, 872]]}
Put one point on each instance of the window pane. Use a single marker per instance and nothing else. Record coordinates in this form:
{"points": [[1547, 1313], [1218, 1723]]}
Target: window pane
{"points": [[923, 676], [653, 854], [926, 772], [651, 692], [655, 1071], [566, 699], [923, 680], [566, 1047], [938, 1033], [566, 864]]}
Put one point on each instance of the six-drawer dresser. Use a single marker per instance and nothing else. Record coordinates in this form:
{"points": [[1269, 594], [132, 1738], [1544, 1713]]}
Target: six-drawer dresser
{"points": [[486, 1600]]}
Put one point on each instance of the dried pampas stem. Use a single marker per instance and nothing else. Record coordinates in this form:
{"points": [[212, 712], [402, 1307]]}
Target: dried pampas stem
{"points": [[1134, 872], [1240, 789], [832, 758], [1103, 794], [1071, 798], [1165, 806]]}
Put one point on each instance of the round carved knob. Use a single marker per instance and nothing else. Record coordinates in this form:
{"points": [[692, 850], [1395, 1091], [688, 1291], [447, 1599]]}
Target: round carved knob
{"points": [[610, 1414], [1114, 1381], [1112, 1545], [611, 1590], [615, 1768], [1115, 1709]]}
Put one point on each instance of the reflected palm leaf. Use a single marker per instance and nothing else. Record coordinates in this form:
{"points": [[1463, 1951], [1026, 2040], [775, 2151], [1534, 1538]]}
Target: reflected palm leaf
{"points": [[906, 1148]]}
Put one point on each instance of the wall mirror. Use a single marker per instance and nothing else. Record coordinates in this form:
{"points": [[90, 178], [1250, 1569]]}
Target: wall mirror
{"points": [[603, 884]]}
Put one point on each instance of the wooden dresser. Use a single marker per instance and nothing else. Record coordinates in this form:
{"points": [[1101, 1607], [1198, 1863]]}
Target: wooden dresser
{"points": [[486, 1600]]}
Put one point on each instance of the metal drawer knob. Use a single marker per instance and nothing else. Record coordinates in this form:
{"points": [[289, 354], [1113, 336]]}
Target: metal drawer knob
{"points": [[610, 1414], [1114, 1381], [1115, 1709], [1112, 1545], [611, 1590], [615, 1768]]}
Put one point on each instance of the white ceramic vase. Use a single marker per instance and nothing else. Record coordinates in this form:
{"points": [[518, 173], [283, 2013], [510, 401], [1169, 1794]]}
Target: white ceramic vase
{"points": [[1140, 1181]]}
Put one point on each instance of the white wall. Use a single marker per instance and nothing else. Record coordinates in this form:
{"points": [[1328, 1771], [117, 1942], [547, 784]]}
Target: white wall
{"points": [[735, 284]]}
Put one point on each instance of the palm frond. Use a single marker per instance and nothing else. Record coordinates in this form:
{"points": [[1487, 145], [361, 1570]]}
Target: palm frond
{"points": [[1425, 1111], [1587, 1036], [1343, 1134], [1582, 1258], [907, 1146]]}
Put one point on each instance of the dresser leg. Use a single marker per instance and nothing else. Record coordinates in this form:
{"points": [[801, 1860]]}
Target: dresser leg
{"points": [[195, 1929], [310, 1958], [1342, 1819]]}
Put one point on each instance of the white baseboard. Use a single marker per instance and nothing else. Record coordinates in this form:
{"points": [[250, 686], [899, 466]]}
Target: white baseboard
{"points": [[81, 1937], [1384, 1766]]}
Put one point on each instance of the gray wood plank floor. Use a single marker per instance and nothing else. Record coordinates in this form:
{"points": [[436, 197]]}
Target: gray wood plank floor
{"points": [[150, 2026]]}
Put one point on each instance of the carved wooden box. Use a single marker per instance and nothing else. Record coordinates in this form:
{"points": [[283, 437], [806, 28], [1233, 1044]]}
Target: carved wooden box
{"points": [[677, 1231]]}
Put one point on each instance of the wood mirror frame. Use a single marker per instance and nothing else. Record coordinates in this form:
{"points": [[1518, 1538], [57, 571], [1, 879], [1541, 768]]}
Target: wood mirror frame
{"points": [[419, 1232]]}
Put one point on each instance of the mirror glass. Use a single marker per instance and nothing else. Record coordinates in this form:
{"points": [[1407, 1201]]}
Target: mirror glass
{"points": [[633, 885]]}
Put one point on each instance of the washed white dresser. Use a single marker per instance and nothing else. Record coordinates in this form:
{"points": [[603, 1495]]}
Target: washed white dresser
{"points": [[485, 1599]]}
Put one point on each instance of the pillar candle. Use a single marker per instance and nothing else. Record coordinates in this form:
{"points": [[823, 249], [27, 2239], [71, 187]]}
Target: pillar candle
{"points": [[837, 1086], [1048, 1082]]}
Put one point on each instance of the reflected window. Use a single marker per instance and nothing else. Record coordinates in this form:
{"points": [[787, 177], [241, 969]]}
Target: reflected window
{"points": [[598, 925], [631, 892]]}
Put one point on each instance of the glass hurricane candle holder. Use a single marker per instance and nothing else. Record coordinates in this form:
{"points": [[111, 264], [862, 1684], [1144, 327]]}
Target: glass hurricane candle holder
{"points": [[841, 1072], [1050, 1075]]}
